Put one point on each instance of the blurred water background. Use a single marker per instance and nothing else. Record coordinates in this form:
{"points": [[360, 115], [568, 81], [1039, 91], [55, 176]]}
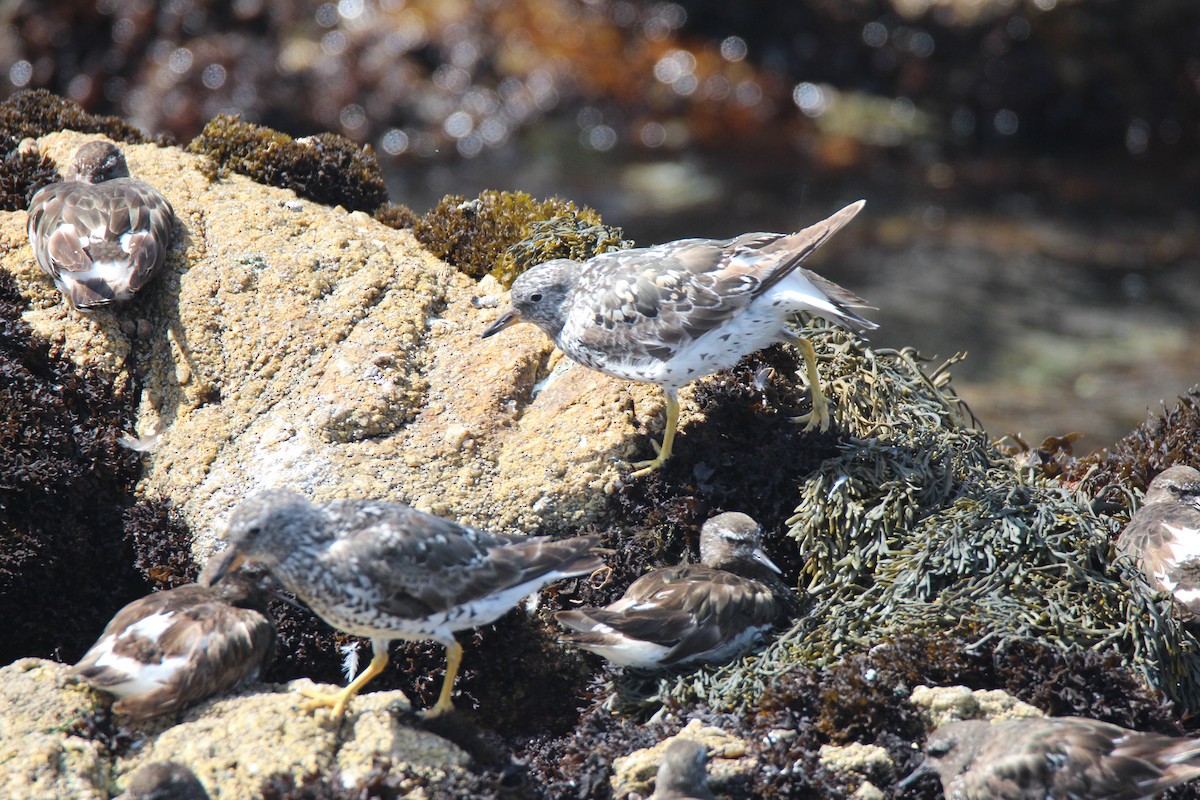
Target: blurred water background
{"points": [[1031, 166]]}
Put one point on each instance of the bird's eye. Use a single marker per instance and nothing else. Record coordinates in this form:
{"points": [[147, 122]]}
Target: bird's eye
{"points": [[536, 297], [938, 749]]}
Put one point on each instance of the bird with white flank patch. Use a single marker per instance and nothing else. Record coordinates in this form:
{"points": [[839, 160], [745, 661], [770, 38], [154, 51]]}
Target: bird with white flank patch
{"points": [[676, 312], [387, 571], [689, 613], [1055, 758], [100, 234], [173, 648], [1163, 536]]}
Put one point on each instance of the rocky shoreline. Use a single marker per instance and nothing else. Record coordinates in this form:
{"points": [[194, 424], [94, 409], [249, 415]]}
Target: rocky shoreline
{"points": [[299, 344]]}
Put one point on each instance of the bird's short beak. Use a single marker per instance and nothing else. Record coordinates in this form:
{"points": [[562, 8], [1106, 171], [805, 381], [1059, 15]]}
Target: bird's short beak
{"points": [[510, 317], [220, 566], [916, 775], [762, 558]]}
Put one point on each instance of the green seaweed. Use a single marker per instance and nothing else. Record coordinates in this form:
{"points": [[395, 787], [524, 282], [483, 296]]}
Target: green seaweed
{"points": [[504, 233], [916, 524]]}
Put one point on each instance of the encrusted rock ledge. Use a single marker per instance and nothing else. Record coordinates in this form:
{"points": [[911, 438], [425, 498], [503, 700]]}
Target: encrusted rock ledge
{"points": [[232, 744], [292, 343]]}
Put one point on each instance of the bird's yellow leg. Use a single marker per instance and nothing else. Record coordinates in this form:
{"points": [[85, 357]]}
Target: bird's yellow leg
{"points": [[340, 699], [664, 452], [454, 654], [818, 418]]}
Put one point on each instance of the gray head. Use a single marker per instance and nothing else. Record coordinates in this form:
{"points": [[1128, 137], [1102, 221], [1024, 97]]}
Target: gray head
{"points": [[540, 295], [732, 541], [681, 773], [1174, 483], [265, 528], [951, 750], [96, 162], [164, 780]]}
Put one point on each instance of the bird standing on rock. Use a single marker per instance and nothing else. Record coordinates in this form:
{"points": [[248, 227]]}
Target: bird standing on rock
{"points": [[676, 312], [100, 234], [173, 648], [387, 571]]}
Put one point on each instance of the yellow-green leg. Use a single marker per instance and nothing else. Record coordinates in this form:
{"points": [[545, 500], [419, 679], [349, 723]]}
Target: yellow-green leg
{"points": [[664, 452], [454, 653], [340, 699], [818, 418]]}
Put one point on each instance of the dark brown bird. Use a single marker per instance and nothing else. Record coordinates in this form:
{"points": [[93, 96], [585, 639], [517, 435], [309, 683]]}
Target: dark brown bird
{"points": [[173, 648], [100, 234], [692, 612], [164, 780], [1163, 536], [1055, 758], [387, 571]]}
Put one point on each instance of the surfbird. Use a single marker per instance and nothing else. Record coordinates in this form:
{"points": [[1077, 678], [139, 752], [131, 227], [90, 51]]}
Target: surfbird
{"points": [[386, 571], [681, 775], [1163, 536], [1068, 757], [100, 234], [173, 648], [689, 613], [675, 312]]}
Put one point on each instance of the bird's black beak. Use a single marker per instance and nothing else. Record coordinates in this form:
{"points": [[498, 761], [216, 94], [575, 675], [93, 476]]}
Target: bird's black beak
{"points": [[220, 566], [920, 772], [510, 317]]}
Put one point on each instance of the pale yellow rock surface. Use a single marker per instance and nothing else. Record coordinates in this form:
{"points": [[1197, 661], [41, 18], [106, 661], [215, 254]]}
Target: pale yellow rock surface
{"points": [[634, 774], [232, 743], [38, 757], [864, 761], [941, 704], [292, 344]]}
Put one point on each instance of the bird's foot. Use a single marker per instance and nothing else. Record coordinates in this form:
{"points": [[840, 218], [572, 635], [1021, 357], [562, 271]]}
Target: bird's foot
{"points": [[646, 467], [818, 418], [442, 706], [337, 701]]}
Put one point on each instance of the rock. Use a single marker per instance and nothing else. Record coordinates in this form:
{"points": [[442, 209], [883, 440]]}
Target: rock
{"points": [[231, 744], [38, 758], [304, 346], [941, 704], [234, 743], [635, 772], [867, 762]]}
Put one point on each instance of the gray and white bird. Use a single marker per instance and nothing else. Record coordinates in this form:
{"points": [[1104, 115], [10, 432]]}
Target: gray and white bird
{"points": [[1163, 536], [676, 312], [681, 774], [100, 234], [1055, 758], [386, 571], [173, 648], [691, 613]]}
